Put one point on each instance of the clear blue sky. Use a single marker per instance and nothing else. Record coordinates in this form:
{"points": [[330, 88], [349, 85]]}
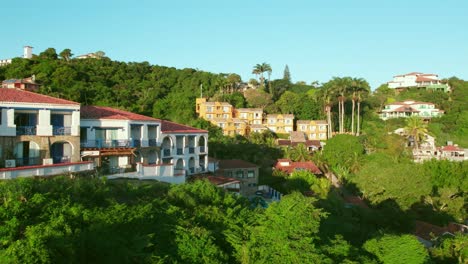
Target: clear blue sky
{"points": [[317, 39]]}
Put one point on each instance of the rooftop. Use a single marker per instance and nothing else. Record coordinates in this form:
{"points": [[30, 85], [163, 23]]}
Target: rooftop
{"points": [[171, 127], [104, 112], [21, 96]]}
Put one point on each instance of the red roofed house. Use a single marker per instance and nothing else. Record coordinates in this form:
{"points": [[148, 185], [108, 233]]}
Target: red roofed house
{"points": [[118, 140], [453, 153], [418, 79], [410, 108], [39, 133], [289, 166]]}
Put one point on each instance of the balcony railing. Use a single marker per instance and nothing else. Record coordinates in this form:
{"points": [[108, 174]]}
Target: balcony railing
{"points": [[166, 152], [28, 161], [61, 131], [202, 148], [191, 150], [180, 151], [26, 130], [152, 143], [115, 143], [61, 159]]}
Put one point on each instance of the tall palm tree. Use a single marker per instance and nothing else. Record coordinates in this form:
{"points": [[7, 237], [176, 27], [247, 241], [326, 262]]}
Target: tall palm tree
{"points": [[357, 87], [416, 128], [327, 95], [340, 86], [363, 90]]}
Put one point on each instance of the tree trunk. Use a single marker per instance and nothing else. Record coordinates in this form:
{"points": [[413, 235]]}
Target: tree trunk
{"points": [[329, 123], [342, 115], [352, 117], [358, 129], [339, 116]]}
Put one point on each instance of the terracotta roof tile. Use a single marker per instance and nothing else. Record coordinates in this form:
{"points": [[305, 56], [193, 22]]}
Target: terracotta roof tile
{"points": [[104, 112], [171, 127], [300, 165], [451, 148], [21, 96]]}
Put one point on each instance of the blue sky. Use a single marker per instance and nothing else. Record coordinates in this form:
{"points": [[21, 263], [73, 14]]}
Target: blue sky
{"points": [[316, 39]]}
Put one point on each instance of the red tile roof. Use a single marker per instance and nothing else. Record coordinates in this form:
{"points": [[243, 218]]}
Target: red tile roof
{"points": [[298, 165], [235, 164], [425, 79], [171, 127], [404, 109], [221, 181], [307, 143], [21, 96], [451, 148], [104, 112]]}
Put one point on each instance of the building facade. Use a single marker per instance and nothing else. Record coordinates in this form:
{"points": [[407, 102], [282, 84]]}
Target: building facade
{"points": [[245, 172], [419, 80], [410, 108], [313, 129], [38, 130], [280, 123]]}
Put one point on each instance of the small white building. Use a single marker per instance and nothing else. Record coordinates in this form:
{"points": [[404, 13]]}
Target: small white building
{"points": [[410, 108]]}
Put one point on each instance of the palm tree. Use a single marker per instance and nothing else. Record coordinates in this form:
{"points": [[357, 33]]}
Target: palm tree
{"points": [[358, 86], [301, 153], [259, 69], [340, 85], [363, 90], [326, 95], [416, 128]]}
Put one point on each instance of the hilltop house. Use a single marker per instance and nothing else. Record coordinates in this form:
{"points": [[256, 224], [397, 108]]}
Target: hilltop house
{"points": [[39, 135], [28, 84], [410, 108], [427, 81]]}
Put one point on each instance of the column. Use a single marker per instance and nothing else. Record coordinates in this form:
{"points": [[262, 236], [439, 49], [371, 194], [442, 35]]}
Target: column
{"points": [[144, 136], [8, 127], [44, 128], [75, 123]]}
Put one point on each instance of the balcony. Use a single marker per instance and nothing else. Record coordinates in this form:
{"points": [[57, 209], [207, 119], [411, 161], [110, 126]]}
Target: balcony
{"points": [[100, 143], [202, 149], [26, 130], [61, 159], [180, 151], [152, 143], [28, 161], [166, 152], [136, 143], [61, 131]]}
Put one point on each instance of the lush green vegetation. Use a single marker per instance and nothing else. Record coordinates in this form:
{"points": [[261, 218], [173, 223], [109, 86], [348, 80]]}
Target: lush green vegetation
{"points": [[98, 221]]}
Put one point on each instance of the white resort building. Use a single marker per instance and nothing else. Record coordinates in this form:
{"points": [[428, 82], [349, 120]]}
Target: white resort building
{"points": [[410, 108]]}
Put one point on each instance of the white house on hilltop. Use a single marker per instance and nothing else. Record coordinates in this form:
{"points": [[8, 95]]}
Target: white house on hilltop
{"points": [[418, 79], [410, 108]]}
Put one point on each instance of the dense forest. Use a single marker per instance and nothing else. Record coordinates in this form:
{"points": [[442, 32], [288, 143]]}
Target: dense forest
{"points": [[99, 221]]}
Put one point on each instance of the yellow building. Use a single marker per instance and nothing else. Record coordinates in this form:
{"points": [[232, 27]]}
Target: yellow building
{"points": [[227, 125], [314, 129], [211, 110], [250, 115], [280, 123]]}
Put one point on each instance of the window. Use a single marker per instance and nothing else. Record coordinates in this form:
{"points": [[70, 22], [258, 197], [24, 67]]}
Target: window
{"points": [[225, 109], [225, 116], [228, 173], [250, 174], [288, 121], [240, 174], [209, 109], [270, 121], [208, 116]]}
